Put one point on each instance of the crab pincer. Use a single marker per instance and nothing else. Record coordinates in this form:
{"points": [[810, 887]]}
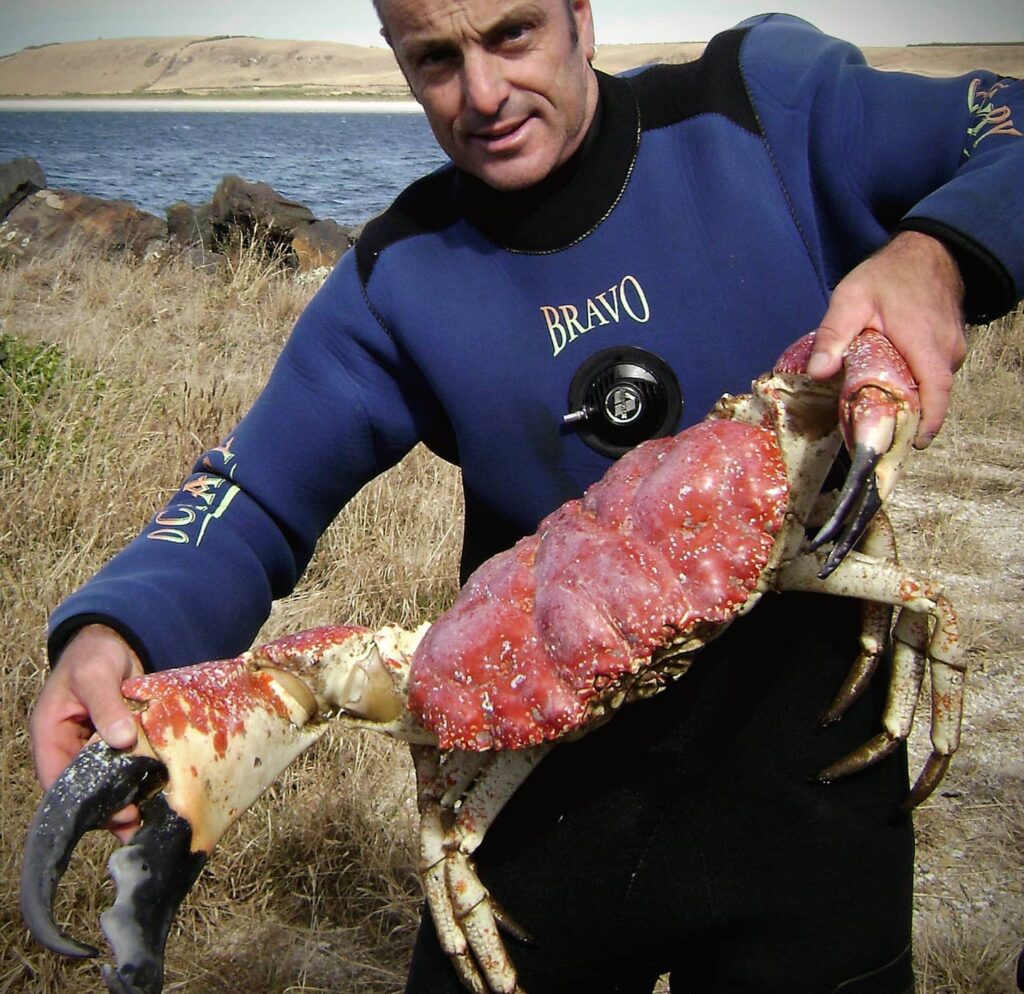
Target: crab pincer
{"points": [[879, 410], [153, 873]]}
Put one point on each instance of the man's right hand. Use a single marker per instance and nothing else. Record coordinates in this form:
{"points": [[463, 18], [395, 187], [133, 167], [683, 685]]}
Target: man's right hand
{"points": [[81, 696]]}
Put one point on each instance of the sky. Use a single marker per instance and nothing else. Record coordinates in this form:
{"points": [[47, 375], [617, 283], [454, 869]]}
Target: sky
{"points": [[864, 22]]}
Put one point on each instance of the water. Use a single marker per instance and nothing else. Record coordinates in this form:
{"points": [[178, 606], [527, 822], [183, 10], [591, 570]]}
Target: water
{"points": [[343, 161]]}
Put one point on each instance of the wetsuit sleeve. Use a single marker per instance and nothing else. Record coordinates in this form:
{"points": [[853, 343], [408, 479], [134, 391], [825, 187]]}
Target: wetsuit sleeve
{"points": [[944, 156], [342, 405]]}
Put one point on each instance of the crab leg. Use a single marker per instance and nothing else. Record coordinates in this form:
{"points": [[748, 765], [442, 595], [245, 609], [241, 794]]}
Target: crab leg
{"points": [[879, 542], [864, 577], [910, 638], [876, 621], [430, 789], [454, 820]]}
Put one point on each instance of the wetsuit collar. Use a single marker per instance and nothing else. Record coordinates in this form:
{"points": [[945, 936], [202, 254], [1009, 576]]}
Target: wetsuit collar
{"points": [[577, 197]]}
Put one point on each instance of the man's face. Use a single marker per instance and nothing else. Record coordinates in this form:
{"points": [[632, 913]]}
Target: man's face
{"points": [[507, 86]]}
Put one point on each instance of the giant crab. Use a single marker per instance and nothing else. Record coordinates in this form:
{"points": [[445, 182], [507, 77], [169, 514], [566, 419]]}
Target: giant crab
{"points": [[604, 604]]}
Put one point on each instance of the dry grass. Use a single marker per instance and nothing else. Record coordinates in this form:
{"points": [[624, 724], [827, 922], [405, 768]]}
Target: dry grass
{"points": [[961, 516], [315, 891], [86, 457]]}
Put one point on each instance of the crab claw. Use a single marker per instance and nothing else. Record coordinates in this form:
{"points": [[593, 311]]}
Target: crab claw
{"points": [[878, 411], [99, 782], [858, 502], [153, 872], [211, 739]]}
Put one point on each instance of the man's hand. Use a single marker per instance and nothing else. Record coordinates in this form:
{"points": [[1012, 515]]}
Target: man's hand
{"points": [[83, 695], [911, 291]]}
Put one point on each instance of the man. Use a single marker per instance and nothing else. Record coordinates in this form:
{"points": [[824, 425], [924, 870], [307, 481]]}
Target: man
{"points": [[701, 214]]}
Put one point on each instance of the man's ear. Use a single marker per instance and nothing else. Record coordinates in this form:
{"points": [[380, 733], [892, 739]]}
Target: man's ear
{"points": [[584, 17]]}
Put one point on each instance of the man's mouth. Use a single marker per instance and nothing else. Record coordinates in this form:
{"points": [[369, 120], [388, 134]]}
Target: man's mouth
{"points": [[502, 137]]}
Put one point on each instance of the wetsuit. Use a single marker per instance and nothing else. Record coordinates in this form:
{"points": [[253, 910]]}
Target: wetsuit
{"points": [[709, 213]]}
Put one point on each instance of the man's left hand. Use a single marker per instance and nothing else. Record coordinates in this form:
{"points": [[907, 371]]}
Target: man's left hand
{"points": [[911, 291]]}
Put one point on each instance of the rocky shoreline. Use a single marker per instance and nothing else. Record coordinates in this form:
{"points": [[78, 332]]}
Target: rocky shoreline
{"points": [[36, 220]]}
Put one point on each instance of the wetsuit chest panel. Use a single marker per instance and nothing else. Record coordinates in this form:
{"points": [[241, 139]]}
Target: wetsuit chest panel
{"points": [[499, 334]]}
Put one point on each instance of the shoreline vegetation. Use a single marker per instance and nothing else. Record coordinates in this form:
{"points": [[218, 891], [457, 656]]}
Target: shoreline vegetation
{"points": [[242, 68]]}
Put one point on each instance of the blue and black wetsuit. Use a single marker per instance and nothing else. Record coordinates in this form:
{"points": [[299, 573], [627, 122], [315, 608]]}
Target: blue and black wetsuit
{"points": [[709, 214]]}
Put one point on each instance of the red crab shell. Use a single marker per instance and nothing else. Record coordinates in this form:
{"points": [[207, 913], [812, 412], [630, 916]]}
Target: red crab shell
{"points": [[675, 534]]}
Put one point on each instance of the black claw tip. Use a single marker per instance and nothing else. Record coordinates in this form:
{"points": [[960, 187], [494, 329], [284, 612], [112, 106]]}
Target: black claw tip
{"points": [[98, 782], [861, 472], [869, 506], [858, 502], [931, 776], [509, 925], [115, 982], [153, 873]]}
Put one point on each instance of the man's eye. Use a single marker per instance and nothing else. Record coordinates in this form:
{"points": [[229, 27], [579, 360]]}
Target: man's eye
{"points": [[514, 32], [434, 57]]}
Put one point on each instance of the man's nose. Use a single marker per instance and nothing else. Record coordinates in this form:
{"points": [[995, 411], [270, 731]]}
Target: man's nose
{"points": [[485, 87]]}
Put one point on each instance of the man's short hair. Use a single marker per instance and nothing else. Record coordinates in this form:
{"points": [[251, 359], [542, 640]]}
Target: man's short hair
{"points": [[568, 7]]}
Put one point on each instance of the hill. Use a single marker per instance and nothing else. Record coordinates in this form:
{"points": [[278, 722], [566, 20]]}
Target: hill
{"points": [[193, 65]]}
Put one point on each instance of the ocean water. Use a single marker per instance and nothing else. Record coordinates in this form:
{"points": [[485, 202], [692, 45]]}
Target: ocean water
{"points": [[344, 161]]}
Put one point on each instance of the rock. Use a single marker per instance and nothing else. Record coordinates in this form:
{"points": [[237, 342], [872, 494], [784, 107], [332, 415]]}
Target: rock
{"points": [[257, 211], [202, 259], [19, 178], [50, 219], [241, 207], [189, 226], [320, 244], [239, 212]]}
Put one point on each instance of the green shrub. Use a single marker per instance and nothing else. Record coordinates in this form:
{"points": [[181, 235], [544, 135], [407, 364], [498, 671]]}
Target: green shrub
{"points": [[34, 382]]}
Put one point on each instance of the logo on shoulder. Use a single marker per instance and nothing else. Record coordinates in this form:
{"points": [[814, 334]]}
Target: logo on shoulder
{"points": [[994, 118]]}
